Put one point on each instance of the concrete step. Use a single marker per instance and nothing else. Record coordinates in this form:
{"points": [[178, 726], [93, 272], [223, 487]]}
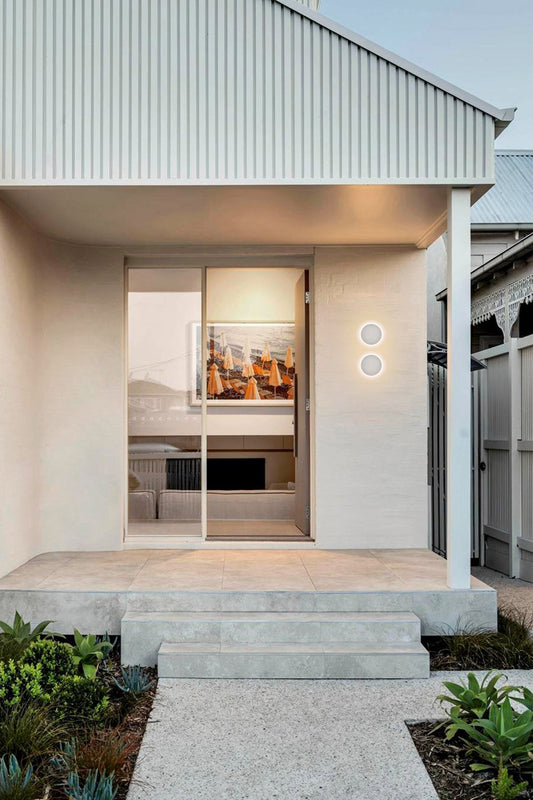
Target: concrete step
{"points": [[142, 633], [333, 660]]}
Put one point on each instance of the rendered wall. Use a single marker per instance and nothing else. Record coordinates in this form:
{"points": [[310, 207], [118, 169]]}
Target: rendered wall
{"points": [[19, 535], [61, 395], [370, 434], [81, 302]]}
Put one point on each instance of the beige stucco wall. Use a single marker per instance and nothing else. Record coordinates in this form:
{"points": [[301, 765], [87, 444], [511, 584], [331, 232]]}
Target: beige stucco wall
{"points": [[61, 395], [370, 434], [62, 400], [19, 534], [82, 402]]}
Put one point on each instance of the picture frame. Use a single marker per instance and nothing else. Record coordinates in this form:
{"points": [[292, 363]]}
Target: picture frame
{"points": [[246, 375]]}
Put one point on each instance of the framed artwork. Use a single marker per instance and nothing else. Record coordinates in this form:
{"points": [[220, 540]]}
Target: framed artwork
{"points": [[248, 363]]}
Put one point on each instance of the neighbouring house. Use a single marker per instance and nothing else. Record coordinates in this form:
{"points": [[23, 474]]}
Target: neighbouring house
{"points": [[214, 226], [501, 335]]}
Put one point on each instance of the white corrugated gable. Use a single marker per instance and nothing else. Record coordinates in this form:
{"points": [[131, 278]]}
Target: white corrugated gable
{"points": [[204, 91]]}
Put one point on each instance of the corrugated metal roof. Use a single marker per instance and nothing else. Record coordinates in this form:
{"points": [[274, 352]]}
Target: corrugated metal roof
{"points": [[200, 91], [510, 201]]}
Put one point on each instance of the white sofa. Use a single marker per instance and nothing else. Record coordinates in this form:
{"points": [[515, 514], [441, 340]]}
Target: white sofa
{"points": [[142, 505], [268, 504]]}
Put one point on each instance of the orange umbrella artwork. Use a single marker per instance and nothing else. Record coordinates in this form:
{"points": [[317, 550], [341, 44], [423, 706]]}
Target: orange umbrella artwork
{"points": [[289, 360], [252, 393], [275, 378], [228, 360], [265, 355], [214, 385], [247, 369]]}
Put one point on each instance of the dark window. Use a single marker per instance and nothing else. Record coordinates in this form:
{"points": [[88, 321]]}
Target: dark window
{"points": [[486, 334], [525, 320]]}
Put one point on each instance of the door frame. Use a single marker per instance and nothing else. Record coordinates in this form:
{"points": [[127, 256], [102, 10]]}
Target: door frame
{"points": [[211, 258]]}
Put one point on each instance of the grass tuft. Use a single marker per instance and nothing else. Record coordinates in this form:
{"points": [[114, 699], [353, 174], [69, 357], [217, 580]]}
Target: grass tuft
{"points": [[510, 647]]}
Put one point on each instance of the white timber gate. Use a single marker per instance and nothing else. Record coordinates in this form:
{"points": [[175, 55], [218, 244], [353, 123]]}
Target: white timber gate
{"points": [[505, 399]]}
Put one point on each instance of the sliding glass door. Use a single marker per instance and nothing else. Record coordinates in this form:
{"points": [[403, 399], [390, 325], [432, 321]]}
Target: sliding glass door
{"points": [[166, 463], [217, 368]]}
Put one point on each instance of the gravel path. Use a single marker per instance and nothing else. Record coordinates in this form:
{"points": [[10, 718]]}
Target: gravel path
{"points": [[511, 591], [288, 740]]}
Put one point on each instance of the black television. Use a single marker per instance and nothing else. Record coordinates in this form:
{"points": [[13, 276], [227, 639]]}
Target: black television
{"points": [[235, 473]]}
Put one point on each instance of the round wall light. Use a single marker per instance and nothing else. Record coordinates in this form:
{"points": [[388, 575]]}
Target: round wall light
{"points": [[371, 365], [371, 333]]}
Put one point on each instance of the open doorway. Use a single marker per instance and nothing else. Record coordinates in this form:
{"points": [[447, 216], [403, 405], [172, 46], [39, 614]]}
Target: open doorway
{"points": [[257, 325], [218, 403]]}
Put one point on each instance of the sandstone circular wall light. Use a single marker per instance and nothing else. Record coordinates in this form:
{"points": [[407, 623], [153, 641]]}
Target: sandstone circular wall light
{"points": [[371, 333], [371, 365]]}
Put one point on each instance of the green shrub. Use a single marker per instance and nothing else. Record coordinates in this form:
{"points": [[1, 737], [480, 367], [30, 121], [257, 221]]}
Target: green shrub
{"points": [[474, 699], [55, 659], [88, 652], [17, 637], [502, 740], [20, 682], [17, 783], [79, 699], [30, 732], [505, 788]]}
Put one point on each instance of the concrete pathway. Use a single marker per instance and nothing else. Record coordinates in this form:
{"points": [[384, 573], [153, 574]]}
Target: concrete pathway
{"points": [[288, 740]]}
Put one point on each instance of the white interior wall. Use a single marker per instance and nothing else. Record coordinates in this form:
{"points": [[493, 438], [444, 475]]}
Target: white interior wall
{"points": [[370, 434], [19, 392]]}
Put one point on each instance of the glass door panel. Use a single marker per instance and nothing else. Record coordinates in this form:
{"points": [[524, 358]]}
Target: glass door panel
{"points": [[165, 430]]}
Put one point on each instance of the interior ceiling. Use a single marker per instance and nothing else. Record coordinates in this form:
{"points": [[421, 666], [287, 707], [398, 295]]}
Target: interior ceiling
{"points": [[283, 215]]}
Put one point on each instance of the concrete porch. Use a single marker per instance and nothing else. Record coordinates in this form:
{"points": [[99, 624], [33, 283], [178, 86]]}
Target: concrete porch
{"points": [[254, 613]]}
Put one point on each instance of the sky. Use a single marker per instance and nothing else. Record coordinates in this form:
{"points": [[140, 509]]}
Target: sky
{"points": [[486, 48]]}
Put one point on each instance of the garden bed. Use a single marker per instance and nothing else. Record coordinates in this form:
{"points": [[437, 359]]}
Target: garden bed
{"points": [[71, 718], [448, 765]]}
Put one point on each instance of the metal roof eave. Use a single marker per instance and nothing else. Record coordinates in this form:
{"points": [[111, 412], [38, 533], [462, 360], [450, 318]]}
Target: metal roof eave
{"points": [[503, 116], [522, 248]]}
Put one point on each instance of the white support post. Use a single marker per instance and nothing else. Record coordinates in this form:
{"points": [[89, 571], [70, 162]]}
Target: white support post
{"points": [[515, 462], [459, 401]]}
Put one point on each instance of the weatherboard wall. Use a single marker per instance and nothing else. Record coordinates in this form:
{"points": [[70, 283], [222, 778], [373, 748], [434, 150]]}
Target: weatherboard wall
{"points": [[209, 91]]}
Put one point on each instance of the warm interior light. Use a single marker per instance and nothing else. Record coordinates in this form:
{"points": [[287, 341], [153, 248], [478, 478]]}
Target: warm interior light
{"points": [[371, 333], [371, 365]]}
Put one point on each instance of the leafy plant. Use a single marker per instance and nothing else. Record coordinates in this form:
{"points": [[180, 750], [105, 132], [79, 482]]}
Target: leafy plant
{"points": [[20, 635], [501, 740], [472, 700], [19, 682], [56, 659], [505, 788], [96, 787], [135, 680], [88, 653], [30, 732], [16, 783], [79, 699]]}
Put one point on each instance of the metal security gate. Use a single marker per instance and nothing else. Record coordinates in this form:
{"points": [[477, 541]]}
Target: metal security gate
{"points": [[437, 461]]}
